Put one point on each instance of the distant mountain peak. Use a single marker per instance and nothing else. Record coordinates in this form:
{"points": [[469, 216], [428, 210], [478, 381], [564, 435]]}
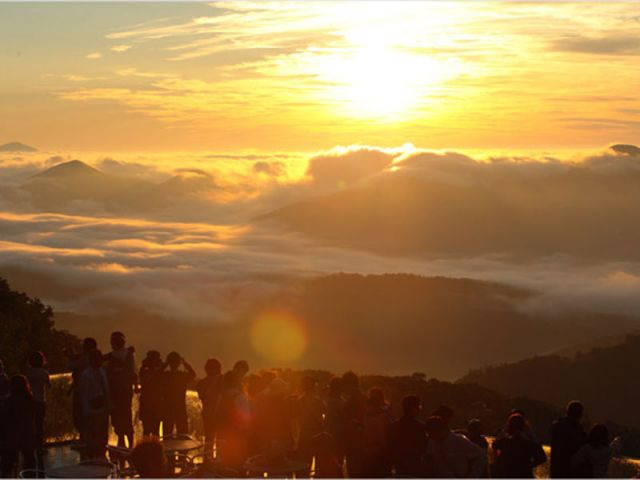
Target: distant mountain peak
{"points": [[68, 169], [17, 147], [626, 149]]}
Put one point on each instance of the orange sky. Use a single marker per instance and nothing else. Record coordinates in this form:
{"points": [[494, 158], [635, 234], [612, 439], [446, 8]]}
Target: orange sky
{"points": [[307, 76]]}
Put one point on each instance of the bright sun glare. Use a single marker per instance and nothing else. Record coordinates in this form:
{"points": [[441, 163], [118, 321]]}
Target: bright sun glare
{"points": [[379, 75]]}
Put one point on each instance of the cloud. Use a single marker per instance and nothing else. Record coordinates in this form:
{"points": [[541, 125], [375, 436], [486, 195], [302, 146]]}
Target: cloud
{"points": [[273, 169], [344, 166], [120, 48], [93, 56], [608, 45]]}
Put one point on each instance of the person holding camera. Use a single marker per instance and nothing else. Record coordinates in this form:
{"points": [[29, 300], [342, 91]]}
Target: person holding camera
{"points": [[175, 382]]}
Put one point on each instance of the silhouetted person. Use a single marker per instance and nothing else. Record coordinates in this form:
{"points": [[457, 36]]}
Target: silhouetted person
{"points": [[328, 460], [474, 433], [592, 459], [96, 404], [241, 368], [377, 421], [334, 419], [272, 417], [567, 436], [121, 373], [408, 440], [19, 427], [515, 454], [233, 419], [78, 362], [149, 459], [451, 455], [38, 377], [355, 407], [151, 393], [175, 383], [209, 391], [309, 412], [445, 412]]}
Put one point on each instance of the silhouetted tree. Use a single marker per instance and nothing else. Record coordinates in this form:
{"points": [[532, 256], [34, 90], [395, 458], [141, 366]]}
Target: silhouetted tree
{"points": [[26, 325]]}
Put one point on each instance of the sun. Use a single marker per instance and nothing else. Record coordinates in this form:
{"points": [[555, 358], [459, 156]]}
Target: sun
{"points": [[378, 77]]}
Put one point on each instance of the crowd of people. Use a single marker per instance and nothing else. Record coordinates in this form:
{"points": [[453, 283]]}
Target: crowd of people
{"points": [[341, 430]]}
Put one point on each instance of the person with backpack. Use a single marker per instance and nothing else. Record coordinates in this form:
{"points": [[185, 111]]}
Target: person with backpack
{"points": [[516, 454], [121, 374]]}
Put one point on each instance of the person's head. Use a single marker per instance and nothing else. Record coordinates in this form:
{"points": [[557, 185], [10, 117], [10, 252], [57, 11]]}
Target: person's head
{"points": [[117, 340], [308, 384], [212, 367], [411, 406], [436, 428], [350, 383], [335, 386], [376, 398], [599, 436], [153, 359], [575, 409], [174, 360], [278, 388], [516, 424], [95, 358], [474, 427], [444, 412], [89, 344], [19, 386], [149, 459], [37, 360], [518, 411], [241, 368]]}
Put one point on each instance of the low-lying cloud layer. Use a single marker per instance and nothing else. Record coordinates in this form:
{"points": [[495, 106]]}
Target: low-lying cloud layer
{"points": [[200, 257]]}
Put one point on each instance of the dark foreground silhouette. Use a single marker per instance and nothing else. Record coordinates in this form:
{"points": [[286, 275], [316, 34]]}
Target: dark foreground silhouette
{"points": [[264, 422], [259, 423]]}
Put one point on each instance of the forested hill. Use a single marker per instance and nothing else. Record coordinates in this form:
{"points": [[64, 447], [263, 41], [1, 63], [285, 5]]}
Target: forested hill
{"points": [[26, 325], [604, 378]]}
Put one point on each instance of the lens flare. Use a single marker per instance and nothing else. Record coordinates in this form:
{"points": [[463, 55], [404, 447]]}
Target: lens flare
{"points": [[278, 337]]}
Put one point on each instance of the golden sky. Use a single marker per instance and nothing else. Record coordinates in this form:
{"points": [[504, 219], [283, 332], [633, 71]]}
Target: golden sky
{"points": [[305, 76]]}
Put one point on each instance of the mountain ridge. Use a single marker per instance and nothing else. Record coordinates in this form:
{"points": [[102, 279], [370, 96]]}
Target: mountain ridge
{"points": [[17, 147]]}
